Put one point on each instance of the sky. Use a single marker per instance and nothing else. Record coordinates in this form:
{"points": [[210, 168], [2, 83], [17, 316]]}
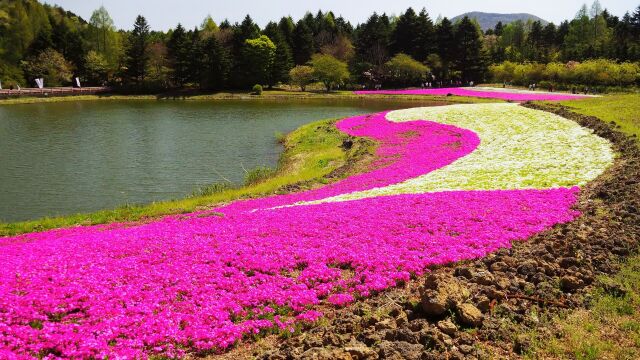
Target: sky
{"points": [[165, 14]]}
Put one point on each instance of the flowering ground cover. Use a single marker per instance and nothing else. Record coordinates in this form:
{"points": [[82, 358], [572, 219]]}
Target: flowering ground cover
{"points": [[204, 281], [488, 93]]}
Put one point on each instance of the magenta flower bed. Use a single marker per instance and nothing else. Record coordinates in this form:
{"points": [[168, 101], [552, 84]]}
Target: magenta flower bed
{"points": [[203, 282], [502, 95]]}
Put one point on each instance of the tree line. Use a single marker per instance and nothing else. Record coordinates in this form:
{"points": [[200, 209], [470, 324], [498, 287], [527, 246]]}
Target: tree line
{"points": [[42, 41]]}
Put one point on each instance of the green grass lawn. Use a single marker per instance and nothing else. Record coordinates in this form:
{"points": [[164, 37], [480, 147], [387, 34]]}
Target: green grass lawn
{"points": [[623, 109]]}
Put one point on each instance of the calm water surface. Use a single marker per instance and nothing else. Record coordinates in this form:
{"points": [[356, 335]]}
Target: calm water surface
{"points": [[69, 157]]}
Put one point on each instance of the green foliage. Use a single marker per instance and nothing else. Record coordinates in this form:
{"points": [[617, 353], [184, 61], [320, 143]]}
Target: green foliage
{"points": [[403, 69], [136, 55], [470, 59], [51, 66], [218, 57], [283, 58], [413, 35], [302, 76], [600, 72], [303, 46], [258, 175], [212, 189], [329, 70], [215, 65], [96, 68], [258, 56], [622, 109], [179, 54], [257, 89], [103, 37]]}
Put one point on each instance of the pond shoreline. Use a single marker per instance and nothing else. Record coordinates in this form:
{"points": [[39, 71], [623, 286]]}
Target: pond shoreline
{"points": [[297, 170], [268, 95]]}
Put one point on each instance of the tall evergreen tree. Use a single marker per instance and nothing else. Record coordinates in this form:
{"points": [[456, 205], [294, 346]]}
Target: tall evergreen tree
{"points": [[446, 41], [404, 37], [425, 35], [372, 40], [136, 55], [215, 65], [470, 61], [179, 55], [303, 46], [283, 61], [287, 28]]}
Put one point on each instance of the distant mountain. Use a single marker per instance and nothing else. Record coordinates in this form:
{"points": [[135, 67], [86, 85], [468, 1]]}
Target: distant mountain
{"points": [[489, 20]]}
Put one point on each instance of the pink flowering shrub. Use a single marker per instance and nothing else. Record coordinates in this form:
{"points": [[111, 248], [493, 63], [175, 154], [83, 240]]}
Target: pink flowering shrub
{"points": [[502, 95], [202, 283]]}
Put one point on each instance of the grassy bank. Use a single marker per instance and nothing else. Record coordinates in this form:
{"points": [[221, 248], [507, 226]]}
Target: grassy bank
{"points": [[610, 327], [312, 152], [623, 109], [266, 95]]}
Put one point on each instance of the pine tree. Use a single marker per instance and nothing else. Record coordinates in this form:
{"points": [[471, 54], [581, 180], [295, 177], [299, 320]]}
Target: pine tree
{"points": [[425, 36], [215, 65], [179, 55], [283, 61], [404, 37], [303, 46], [445, 39], [469, 57], [136, 55]]}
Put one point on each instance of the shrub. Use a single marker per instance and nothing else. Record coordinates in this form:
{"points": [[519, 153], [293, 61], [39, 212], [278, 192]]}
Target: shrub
{"points": [[258, 175], [598, 72], [211, 189], [404, 70], [257, 89], [329, 70], [301, 76]]}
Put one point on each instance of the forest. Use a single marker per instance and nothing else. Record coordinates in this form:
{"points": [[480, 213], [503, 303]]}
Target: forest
{"points": [[411, 49]]}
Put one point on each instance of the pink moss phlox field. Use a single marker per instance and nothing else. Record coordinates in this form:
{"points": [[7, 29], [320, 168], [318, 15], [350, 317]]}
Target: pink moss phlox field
{"points": [[202, 283], [502, 95], [406, 150]]}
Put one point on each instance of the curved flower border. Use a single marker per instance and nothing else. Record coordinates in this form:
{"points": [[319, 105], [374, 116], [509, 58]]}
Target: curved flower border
{"points": [[203, 282]]}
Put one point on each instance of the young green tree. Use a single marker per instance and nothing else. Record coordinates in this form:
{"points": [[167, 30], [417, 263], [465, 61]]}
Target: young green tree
{"points": [[208, 27], [403, 70], [329, 70], [302, 76], [51, 66], [96, 68], [258, 56], [137, 57], [104, 38]]}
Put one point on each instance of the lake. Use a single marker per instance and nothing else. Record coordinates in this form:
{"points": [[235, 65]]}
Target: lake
{"points": [[69, 157]]}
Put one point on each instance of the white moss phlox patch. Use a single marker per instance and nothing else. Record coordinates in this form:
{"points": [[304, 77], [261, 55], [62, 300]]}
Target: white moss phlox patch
{"points": [[520, 148]]}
